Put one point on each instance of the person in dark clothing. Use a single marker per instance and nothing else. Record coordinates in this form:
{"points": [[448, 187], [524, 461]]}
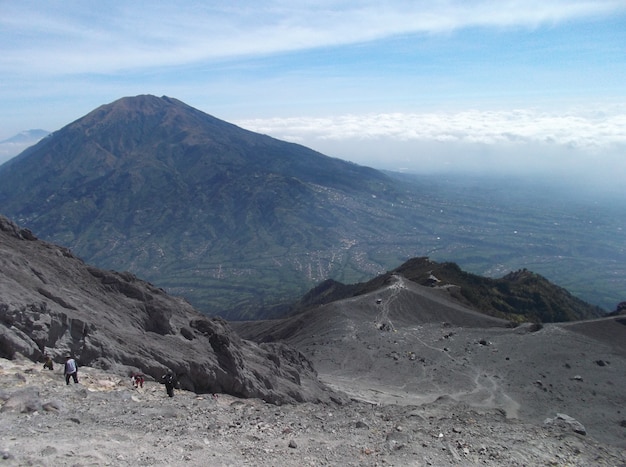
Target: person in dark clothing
{"points": [[70, 370], [48, 364], [170, 381]]}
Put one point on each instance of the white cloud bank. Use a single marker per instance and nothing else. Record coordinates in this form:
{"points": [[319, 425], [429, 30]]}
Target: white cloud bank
{"points": [[586, 144], [589, 130]]}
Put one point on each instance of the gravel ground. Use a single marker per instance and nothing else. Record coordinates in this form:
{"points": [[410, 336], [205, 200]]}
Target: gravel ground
{"points": [[105, 421]]}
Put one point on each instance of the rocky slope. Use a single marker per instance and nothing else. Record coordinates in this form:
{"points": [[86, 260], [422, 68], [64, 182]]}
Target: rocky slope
{"points": [[409, 377], [409, 344], [53, 303], [520, 296], [104, 421]]}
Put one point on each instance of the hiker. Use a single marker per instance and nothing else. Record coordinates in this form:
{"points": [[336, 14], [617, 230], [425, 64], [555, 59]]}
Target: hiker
{"points": [[70, 370], [137, 380], [169, 380], [47, 364]]}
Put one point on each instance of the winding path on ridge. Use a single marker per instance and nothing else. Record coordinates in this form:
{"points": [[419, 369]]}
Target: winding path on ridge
{"points": [[465, 381]]}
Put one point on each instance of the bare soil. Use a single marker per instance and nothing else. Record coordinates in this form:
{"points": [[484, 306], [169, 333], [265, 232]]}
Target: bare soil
{"points": [[104, 420]]}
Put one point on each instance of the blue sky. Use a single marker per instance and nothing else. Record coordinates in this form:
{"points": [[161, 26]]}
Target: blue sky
{"points": [[504, 86]]}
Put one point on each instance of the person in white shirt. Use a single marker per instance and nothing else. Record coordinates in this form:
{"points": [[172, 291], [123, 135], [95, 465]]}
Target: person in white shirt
{"points": [[70, 370]]}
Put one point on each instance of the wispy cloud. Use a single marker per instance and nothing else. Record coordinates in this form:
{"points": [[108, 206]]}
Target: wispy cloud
{"points": [[382, 70], [78, 37]]}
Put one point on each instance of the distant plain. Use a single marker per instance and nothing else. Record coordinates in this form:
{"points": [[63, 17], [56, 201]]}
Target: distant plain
{"points": [[490, 226]]}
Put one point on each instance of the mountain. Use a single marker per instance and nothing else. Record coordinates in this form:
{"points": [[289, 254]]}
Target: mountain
{"points": [[230, 219], [26, 137], [242, 224], [518, 296], [53, 303], [14, 145]]}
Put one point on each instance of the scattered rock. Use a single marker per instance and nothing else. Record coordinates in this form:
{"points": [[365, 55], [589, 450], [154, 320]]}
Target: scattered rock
{"points": [[102, 426], [22, 401], [566, 421]]}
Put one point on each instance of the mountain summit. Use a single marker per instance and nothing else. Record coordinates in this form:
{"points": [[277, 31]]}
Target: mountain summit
{"points": [[228, 218], [14, 145]]}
